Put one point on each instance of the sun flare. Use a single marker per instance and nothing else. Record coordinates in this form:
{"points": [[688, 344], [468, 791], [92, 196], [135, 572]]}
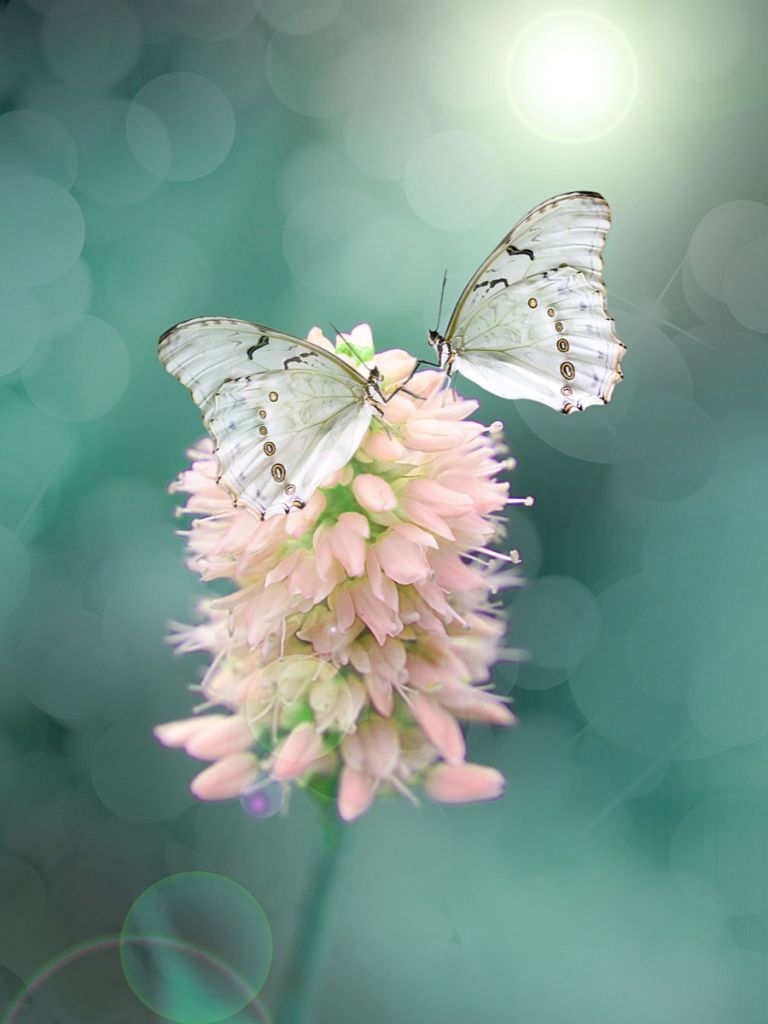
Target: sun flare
{"points": [[572, 76]]}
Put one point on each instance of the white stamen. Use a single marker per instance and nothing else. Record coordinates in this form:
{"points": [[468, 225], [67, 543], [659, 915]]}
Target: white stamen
{"points": [[513, 556], [512, 654], [529, 501], [218, 515], [206, 706], [404, 791]]}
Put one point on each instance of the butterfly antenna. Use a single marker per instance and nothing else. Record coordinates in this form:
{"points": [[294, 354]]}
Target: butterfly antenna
{"points": [[442, 296], [360, 359]]}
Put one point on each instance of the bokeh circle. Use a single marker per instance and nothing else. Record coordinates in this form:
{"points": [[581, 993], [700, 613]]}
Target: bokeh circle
{"points": [[744, 285], [33, 142], [80, 375], [210, 920], [91, 46], [454, 180], [42, 229], [719, 235], [180, 126]]}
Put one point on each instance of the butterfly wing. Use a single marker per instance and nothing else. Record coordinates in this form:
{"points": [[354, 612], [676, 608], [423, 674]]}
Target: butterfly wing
{"points": [[283, 413], [532, 322], [546, 338]]}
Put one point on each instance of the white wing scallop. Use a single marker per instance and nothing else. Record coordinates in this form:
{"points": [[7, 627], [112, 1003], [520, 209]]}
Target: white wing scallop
{"points": [[283, 413], [532, 323]]}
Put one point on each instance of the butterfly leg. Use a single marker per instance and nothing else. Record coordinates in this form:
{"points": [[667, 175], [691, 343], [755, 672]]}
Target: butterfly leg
{"points": [[411, 375], [407, 392]]}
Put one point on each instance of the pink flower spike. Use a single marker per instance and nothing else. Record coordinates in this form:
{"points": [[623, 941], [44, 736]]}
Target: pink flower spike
{"points": [[374, 493], [297, 753], [357, 640], [224, 779], [463, 783]]}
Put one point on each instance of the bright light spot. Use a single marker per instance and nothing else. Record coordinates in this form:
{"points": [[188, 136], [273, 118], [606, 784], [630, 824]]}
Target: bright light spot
{"points": [[572, 76]]}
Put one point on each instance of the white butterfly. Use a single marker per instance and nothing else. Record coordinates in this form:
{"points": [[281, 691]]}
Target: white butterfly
{"points": [[284, 414], [532, 321]]}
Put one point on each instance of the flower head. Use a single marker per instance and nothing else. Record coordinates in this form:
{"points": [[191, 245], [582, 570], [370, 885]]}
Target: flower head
{"points": [[360, 630]]}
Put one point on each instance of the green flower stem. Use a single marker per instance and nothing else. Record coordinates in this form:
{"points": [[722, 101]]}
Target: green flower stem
{"points": [[307, 961]]}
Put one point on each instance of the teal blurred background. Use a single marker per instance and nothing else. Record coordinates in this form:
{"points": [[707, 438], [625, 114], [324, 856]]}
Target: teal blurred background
{"points": [[305, 161]]}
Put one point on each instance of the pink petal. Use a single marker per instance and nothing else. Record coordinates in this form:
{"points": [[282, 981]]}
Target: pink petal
{"points": [[488, 710], [400, 408], [422, 673], [322, 547], [383, 447], [390, 595], [437, 435], [356, 523], [297, 752], [401, 560], [375, 575], [374, 493], [333, 480], [395, 363], [463, 783], [347, 542], [225, 734], [440, 728], [424, 516], [300, 520], [375, 614], [341, 604], [224, 779], [356, 792], [416, 535], [382, 747], [359, 657], [454, 574], [444, 501], [284, 568], [176, 734], [353, 751], [317, 337], [380, 692]]}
